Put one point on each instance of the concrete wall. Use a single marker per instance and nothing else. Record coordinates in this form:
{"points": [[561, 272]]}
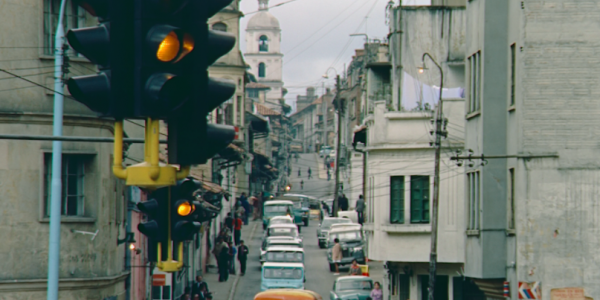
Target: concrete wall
{"points": [[398, 145]]}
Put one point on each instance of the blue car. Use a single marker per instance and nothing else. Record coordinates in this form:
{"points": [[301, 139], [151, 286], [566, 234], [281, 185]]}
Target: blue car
{"points": [[282, 275]]}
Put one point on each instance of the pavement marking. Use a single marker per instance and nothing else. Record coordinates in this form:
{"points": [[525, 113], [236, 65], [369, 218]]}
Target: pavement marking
{"points": [[237, 276]]}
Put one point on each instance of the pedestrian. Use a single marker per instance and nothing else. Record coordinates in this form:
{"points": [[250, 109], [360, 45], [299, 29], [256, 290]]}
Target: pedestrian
{"points": [[377, 293], [299, 173], [243, 257], [343, 203], [309, 173], [360, 209], [232, 255], [256, 206], [354, 268], [198, 285], [237, 233], [336, 255], [246, 206], [219, 244], [328, 175], [224, 264], [302, 184]]}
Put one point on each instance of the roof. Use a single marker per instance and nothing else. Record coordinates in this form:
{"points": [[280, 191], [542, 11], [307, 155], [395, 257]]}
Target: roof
{"points": [[345, 225], [265, 111], [278, 248], [292, 293], [256, 85], [280, 217], [263, 19], [282, 225], [283, 240], [343, 228], [277, 264], [282, 237], [299, 195], [353, 277], [279, 202]]}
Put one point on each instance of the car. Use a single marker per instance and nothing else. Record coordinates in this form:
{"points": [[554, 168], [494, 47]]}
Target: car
{"points": [[282, 230], [280, 241], [274, 208], [333, 153], [301, 207], [351, 288], [281, 220], [352, 242], [287, 294], [282, 275], [284, 254], [325, 226]]}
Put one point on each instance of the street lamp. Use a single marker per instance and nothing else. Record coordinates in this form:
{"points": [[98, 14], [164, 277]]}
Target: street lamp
{"points": [[330, 68], [436, 179], [361, 34]]}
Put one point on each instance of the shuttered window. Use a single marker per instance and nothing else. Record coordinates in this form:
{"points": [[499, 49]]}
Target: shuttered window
{"points": [[397, 199], [419, 199]]}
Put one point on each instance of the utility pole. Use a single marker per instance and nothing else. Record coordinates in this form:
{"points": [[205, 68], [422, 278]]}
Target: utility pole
{"points": [[439, 132], [324, 111], [56, 183], [337, 152]]}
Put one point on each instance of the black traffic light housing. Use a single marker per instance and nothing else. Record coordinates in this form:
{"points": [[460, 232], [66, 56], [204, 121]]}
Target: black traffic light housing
{"points": [[156, 227], [184, 209], [110, 46]]}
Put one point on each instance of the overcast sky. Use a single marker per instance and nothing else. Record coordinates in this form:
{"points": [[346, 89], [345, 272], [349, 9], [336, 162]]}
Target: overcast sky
{"points": [[315, 36]]}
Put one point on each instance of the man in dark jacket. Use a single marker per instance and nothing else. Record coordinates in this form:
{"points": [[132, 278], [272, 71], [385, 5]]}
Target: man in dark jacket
{"points": [[246, 206], [198, 285], [343, 202], [243, 257]]}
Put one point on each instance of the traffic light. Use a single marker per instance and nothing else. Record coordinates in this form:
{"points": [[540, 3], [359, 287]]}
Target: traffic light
{"points": [[191, 139], [156, 228], [184, 210], [110, 46]]}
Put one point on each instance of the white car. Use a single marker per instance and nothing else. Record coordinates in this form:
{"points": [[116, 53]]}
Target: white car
{"points": [[281, 220]]}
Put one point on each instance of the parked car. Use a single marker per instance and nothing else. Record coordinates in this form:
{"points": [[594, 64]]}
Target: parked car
{"points": [[351, 288], [324, 229], [352, 242]]}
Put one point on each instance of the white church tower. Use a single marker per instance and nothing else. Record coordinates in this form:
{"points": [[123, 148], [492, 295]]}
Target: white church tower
{"points": [[263, 44]]}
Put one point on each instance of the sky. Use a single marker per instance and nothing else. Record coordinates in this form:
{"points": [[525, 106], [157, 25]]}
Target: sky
{"points": [[316, 36]]}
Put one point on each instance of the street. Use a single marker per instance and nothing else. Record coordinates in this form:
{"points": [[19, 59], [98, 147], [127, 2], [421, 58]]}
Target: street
{"points": [[318, 276]]}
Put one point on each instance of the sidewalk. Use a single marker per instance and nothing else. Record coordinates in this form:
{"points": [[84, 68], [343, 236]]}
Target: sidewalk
{"points": [[321, 167], [224, 290]]}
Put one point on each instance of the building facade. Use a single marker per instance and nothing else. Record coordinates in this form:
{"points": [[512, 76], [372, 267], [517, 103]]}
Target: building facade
{"points": [[533, 106]]}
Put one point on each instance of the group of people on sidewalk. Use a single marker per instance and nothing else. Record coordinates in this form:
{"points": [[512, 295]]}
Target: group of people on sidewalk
{"points": [[197, 291]]}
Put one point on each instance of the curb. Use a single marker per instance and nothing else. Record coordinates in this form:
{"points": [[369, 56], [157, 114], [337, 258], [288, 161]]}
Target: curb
{"points": [[237, 277]]}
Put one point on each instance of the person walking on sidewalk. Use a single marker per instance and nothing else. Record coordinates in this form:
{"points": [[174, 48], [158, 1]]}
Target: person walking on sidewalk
{"points": [[336, 255], [237, 233], [232, 255], [299, 173], [256, 205], [243, 257], [224, 264], [360, 209], [309, 173], [376, 292], [302, 184], [247, 208], [343, 202]]}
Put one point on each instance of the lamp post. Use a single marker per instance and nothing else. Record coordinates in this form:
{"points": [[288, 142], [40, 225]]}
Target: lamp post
{"points": [[339, 137], [436, 179]]}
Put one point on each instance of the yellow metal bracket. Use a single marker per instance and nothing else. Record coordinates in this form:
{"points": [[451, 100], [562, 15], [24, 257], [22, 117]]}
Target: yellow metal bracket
{"points": [[150, 173]]}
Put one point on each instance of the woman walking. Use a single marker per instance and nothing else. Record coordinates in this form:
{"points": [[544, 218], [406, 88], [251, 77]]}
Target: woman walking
{"points": [[377, 293]]}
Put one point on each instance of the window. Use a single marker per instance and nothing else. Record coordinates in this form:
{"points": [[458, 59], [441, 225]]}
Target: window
{"points": [[261, 70], [473, 200], [511, 198], [74, 17], [220, 27], [419, 199], [229, 114], [263, 43], [252, 93], [72, 203], [474, 82], [513, 57], [240, 110], [397, 199]]}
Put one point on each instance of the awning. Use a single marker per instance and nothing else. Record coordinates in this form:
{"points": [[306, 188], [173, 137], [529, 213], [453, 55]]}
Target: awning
{"points": [[208, 186], [232, 153], [262, 166], [258, 123]]}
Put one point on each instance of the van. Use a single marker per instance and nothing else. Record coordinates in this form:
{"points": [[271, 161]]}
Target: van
{"points": [[301, 207], [282, 275], [275, 208]]}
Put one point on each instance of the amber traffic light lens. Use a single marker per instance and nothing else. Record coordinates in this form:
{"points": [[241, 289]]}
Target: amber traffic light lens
{"points": [[185, 208], [168, 48]]}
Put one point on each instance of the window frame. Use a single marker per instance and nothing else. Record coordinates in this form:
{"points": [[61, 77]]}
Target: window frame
{"points": [[215, 26], [88, 185], [474, 83], [401, 199], [75, 17], [511, 200], [424, 202], [473, 201]]}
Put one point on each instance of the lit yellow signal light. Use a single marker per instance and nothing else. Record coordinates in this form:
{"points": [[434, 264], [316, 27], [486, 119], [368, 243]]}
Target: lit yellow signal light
{"points": [[185, 208], [169, 48]]}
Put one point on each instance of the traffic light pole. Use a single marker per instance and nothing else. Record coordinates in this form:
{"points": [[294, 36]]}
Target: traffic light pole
{"points": [[56, 185]]}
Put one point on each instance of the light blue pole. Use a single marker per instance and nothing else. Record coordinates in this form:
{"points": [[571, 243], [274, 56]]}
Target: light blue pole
{"points": [[55, 195]]}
